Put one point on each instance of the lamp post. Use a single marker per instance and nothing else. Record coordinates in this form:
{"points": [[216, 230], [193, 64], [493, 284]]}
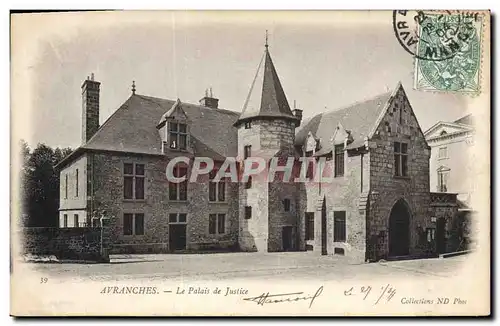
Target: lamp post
{"points": [[102, 218]]}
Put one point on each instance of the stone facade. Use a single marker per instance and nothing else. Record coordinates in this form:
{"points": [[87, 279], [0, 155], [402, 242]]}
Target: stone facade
{"points": [[386, 188], [156, 206]]}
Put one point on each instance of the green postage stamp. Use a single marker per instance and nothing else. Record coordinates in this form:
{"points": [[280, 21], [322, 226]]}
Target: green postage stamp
{"points": [[447, 49]]}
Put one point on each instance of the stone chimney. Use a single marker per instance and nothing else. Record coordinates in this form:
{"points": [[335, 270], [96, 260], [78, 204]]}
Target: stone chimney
{"points": [[209, 100], [90, 108], [298, 114]]}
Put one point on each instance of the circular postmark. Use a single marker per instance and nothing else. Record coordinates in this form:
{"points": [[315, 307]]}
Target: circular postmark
{"points": [[434, 36]]}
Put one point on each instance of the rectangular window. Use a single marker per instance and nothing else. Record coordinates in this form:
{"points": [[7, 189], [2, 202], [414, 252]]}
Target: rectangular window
{"points": [[75, 220], [139, 224], [65, 221], [217, 223], [76, 184], [65, 186], [133, 224], [286, 205], [400, 159], [133, 181], [177, 218], [127, 224], [248, 212], [443, 153], [178, 136], [443, 181], [216, 190], [339, 160], [309, 226], [248, 125], [178, 191], [339, 228], [221, 223], [212, 223], [247, 151]]}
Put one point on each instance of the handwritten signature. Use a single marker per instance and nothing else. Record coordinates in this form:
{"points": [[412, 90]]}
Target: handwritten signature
{"points": [[386, 291], [266, 297]]}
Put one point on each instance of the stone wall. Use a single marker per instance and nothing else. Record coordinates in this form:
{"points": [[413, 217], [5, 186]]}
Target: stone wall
{"points": [[277, 134], [386, 188], [279, 218], [341, 193], [156, 207], [64, 243]]}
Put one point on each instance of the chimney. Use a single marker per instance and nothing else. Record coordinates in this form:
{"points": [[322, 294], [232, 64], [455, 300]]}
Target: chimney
{"points": [[208, 100], [90, 108], [298, 114]]}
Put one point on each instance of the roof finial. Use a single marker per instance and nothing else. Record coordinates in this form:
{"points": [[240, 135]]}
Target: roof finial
{"points": [[133, 87], [267, 45], [211, 94]]}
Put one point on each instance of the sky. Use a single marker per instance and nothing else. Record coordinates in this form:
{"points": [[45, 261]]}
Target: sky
{"points": [[325, 61]]}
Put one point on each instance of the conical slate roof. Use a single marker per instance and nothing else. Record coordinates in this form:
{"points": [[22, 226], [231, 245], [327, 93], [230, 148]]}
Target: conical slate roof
{"points": [[266, 98]]}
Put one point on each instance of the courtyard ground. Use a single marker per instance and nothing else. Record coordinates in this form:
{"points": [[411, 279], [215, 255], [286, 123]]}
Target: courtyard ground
{"points": [[246, 266]]}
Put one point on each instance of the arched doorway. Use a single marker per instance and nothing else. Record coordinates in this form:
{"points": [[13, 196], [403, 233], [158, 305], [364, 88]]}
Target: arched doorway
{"points": [[399, 229]]}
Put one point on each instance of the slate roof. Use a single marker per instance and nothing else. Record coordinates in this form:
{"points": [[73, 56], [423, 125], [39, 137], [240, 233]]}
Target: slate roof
{"points": [[358, 118], [266, 97], [132, 129]]}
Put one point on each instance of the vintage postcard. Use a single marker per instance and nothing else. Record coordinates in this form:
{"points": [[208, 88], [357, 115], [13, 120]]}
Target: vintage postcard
{"points": [[240, 163]]}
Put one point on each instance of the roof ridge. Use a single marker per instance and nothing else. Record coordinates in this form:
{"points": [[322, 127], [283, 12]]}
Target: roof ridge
{"points": [[348, 106], [153, 98]]}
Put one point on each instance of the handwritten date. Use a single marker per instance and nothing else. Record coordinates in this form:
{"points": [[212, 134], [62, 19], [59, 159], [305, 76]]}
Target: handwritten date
{"points": [[385, 292]]}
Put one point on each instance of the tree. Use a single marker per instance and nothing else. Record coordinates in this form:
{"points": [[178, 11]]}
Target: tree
{"points": [[40, 184]]}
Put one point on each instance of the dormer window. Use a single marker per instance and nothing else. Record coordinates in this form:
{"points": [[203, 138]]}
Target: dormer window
{"points": [[177, 135]]}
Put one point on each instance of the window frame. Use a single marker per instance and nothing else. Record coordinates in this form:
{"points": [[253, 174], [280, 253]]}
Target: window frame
{"points": [[214, 220], [177, 218], [443, 175], [133, 224], [287, 205], [339, 233], [445, 150], [177, 133], [66, 186], [400, 159], [339, 169], [217, 191], [247, 151], [178, 185], [76, 184], [134, 176]]}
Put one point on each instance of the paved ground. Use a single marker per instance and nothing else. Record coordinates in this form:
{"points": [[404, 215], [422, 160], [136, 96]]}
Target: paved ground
{"points": [[247, 266]]}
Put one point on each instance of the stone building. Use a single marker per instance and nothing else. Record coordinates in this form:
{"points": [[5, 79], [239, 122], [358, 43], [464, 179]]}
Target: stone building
{"points": [[452, 171], [370, 201]]}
